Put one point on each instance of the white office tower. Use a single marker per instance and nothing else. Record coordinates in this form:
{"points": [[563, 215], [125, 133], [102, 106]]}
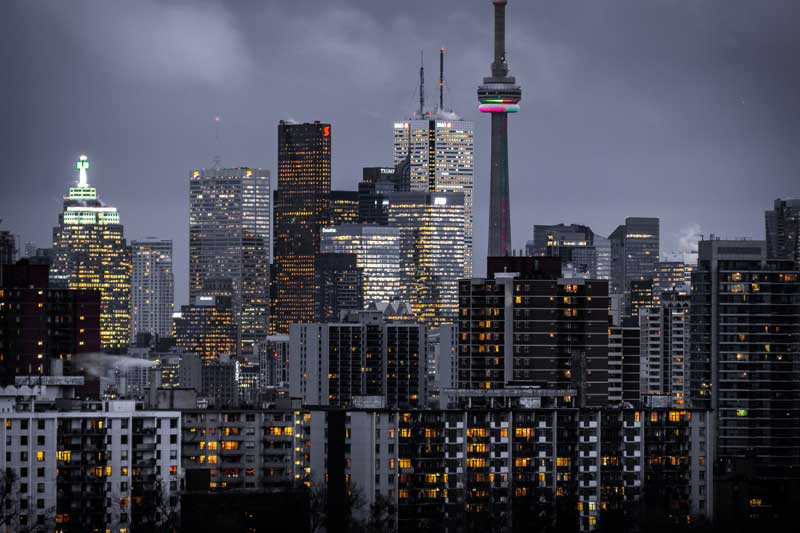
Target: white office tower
{"points": [[439, 147], [377, 251], [152, 288]]}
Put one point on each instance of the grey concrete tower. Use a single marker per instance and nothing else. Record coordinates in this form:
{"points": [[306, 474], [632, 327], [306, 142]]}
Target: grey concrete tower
{"points": [[499, 95]]}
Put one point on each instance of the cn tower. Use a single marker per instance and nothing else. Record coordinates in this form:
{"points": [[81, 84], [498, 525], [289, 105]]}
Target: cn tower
{"points": [[499, 95]]}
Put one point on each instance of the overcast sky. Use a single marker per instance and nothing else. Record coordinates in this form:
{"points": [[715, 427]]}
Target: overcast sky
{"points": [[685, 110]]}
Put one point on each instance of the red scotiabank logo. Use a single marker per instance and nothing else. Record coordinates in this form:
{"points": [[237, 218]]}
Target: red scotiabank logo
{"points": [[326, 131]]}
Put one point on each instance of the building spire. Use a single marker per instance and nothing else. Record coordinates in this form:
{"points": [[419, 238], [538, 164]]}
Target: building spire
{"points": [[82, 165], [217, 157], [441, 79], [499, 66], [421, 84]]}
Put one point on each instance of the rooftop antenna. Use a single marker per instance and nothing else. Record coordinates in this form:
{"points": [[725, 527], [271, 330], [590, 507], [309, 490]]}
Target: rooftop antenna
{"points": [[217, 158], [421, 84], [441, 79]]}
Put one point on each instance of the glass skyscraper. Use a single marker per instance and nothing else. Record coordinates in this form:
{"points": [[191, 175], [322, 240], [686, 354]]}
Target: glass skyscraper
{"points": [[377, 251], [152, 288], [344, 208], [340, 286], [669, 275], [602, 247], [439, 147], [229, 253], [302, 209], [90, 252], [634, 254], [432, 250], [207, 327], [583, 253]]}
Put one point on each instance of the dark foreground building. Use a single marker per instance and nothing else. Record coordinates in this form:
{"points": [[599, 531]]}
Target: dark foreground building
{"points": [[39, 324], [745, 348], [516, 469], [525, 326]]}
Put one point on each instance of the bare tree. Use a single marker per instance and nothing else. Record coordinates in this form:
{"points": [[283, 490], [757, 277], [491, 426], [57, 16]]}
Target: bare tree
{"points": [[354, 502], [9, 499], [382, 515], [319, 510], [159, 511], [317, 507], [11, 509]]}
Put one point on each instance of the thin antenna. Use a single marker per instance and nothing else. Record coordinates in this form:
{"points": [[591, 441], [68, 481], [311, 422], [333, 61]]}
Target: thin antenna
{"points": [[217, 158], [441, 79], [421, 84]]}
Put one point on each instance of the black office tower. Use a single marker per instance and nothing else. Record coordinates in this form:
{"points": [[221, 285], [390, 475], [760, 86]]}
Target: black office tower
{"points": [[302, 208], [340, 286]]}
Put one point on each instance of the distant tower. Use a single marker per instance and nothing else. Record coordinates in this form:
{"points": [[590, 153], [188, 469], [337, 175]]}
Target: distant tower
{"points": [[152, 288], [499, 95], [229, 252]]}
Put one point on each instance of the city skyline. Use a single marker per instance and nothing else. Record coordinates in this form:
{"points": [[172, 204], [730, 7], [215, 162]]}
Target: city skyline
{"points": [[721, 122], [298, 350]]}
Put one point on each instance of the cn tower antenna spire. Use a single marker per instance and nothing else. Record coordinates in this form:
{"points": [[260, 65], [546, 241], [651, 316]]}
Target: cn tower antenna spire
{"points": [[499, 95], [499, 66], [421, 84]]}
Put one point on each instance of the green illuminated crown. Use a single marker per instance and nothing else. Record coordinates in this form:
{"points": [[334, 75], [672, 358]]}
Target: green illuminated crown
{"points": [[82, 163]]}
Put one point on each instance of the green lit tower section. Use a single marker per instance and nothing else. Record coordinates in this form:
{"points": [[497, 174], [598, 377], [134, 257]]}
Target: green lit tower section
{"points": [[90, 252], [499, 95]]}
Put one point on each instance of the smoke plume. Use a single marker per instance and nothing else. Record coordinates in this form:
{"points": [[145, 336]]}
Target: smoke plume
{"points": [[98, 364]]}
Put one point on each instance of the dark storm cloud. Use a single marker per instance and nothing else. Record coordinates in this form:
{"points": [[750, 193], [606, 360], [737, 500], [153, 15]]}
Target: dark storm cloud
{"points": [[687, 110]]}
